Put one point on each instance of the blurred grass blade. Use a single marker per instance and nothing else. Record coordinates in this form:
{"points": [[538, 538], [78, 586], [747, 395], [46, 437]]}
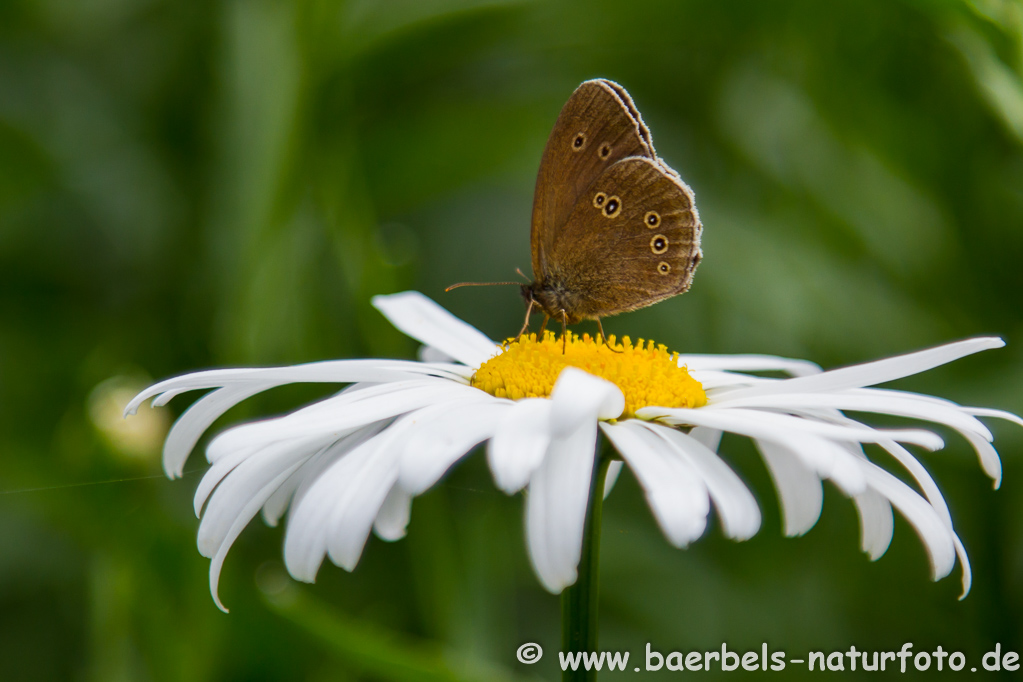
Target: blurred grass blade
{"points": [[380, 652], [997, 82]]}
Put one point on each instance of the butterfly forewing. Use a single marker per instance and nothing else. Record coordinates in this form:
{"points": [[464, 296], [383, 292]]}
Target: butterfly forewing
{"points": [[631, 240], [626, 99], [598, 126], [614, 227]]}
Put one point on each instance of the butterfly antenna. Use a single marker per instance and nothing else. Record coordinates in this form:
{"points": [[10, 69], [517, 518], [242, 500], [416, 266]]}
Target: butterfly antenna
{"points": [[480, 284]]}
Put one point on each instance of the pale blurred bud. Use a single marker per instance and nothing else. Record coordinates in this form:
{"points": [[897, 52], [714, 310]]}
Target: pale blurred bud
{"points": [[136, 439]]}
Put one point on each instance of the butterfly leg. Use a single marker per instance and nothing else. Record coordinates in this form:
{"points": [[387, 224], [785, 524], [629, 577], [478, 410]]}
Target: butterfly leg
{"points": [[525, 325], [603, 337], [543, 327], [564, 331]]}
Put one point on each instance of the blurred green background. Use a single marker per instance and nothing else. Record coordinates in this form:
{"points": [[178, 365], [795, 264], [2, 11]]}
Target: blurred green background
{"points": [[186, 184]]}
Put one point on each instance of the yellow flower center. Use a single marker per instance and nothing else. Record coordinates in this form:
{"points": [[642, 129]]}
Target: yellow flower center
{"points": [[646, 373]]}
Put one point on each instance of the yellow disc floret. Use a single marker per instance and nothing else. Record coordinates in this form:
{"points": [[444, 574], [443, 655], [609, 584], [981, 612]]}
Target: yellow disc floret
{"points": [[646, 373]]}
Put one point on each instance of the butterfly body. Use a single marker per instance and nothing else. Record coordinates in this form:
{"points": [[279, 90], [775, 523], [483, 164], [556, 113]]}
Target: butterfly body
{"points": [[614, 228], [555, 295]]}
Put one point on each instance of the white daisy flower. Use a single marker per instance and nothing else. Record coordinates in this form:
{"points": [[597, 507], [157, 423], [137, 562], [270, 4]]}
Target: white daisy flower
{"points": [[353, 462]]}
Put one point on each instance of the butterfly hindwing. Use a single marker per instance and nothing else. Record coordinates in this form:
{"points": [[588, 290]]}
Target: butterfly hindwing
{"points": [[631, 240]]}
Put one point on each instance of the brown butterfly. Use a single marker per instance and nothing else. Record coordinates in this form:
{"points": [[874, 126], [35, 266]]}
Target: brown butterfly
{"points": [[614, 227]]}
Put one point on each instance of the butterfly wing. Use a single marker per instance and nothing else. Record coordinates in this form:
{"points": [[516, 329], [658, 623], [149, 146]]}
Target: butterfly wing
{"points": [[598, 126], [631, 240]]}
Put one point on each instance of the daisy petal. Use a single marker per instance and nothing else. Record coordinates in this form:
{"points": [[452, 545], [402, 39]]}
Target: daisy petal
{"points": [[799, 488], [779, 427], [736, 506], [244, 515], [676, 494], [519, 443], [877, 372], [990, 462], [749, 363], [922, 478], [330, 372], [237, 490], [998, 414], [876, 523], [277, 503], [370, 465], [906, 459], [195, 420], [304, 439], [866, 400], [425, 321], [830, 460], [340, 413], [433, 445], [560, 487], [297, 449], [876, 517], [710, 438], [579, 397], [975, 433], [964, 562], [431, 354], [392, 519], [358, 504], [556, 507], [614, 470], [716, 382], [292, 489], [937, 538]]}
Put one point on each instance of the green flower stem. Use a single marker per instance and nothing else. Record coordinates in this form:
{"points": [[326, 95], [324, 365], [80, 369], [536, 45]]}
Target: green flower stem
{"points": [[579, 601]]}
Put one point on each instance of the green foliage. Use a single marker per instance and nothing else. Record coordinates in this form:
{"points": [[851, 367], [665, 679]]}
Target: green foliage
{"points": [[186, 184]]}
